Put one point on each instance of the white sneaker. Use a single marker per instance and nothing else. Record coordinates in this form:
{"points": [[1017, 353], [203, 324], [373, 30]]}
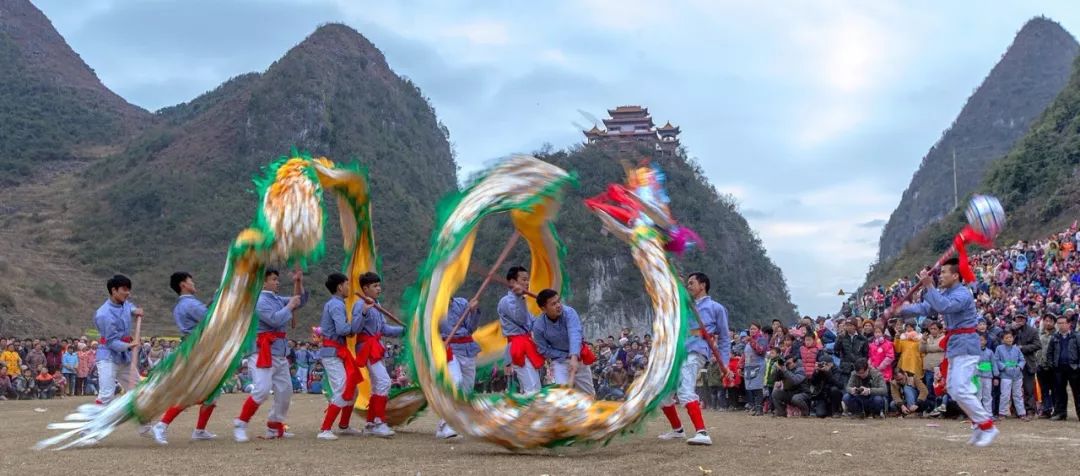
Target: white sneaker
{"points": [[975, 432], [445, 433], [673, 435], [240, 431], [700, 439], [160, 429], [202, 435], [986, 437], [380, 430], [327, 435]]}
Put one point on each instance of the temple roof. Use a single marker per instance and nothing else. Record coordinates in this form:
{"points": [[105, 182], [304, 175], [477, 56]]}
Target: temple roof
{"points": [[628, 110]]}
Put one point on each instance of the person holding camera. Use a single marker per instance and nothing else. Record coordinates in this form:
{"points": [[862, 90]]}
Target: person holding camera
{"points": [[827, 389], [792, 390], [865, 391]]}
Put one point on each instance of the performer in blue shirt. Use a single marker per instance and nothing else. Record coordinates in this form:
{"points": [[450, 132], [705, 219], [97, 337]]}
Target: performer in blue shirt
{"points": [[338, 363], [113, 322], [461, 352], [516, 326], [557, 332], [370, 326], [715, 317], [188, 313], [956, 304], [269, 367]]}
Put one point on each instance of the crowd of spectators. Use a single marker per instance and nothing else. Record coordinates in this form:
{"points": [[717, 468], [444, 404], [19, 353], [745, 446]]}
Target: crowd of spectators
{"points": [[45, 368], [855, 363]]}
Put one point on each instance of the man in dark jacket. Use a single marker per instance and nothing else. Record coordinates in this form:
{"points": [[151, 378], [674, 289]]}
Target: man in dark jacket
{"points": [[1063, 354], [827, 389], [792, 389], [1027, 338], [850, 347]]}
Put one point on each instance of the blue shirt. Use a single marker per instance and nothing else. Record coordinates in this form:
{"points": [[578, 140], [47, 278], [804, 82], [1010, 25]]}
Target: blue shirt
{"points": [[514, 315], [70, 362], [459, 306], [334, 325], [986, 364], [372, 322], [561, 338], [304, 357], [113, 323], [957, 306], [715, 317], [275, 317], [1008, 361], [188, 313]]}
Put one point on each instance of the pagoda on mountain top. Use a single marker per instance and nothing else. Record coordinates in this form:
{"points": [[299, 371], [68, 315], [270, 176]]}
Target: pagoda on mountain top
{"points": [[630, 127]]}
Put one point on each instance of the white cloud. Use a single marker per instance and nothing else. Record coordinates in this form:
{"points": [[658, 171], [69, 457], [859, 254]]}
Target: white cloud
{"points": [[480, 33], [801, 111], [776, 230]]}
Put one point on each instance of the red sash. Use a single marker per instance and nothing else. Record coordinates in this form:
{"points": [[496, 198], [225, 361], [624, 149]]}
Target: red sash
{"points": [[949, 333], [521, 347], [369, 349], [263, 342], [587, 356], [456, 340], [353, 377], [127, 339]]}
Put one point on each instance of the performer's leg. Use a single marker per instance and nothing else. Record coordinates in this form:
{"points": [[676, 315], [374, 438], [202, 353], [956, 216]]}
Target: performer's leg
{"points": [[672, 415], [583, 380], [334, 369], [528, 378], [205, 410], [960, 387], [687, 394], [561, 369], [260, 389], [106, 381], [261, 381], [171, 415], [283, 389], [468, 373], [335, 373], [454, 366], [122, 374], [380, 388]]}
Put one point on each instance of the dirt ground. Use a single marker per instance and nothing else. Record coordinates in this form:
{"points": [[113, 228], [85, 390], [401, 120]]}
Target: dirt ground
{"points": [[741, 445]]}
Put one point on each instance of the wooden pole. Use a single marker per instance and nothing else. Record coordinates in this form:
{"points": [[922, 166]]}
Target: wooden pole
{"points": [[498, 263], [133, 374]]}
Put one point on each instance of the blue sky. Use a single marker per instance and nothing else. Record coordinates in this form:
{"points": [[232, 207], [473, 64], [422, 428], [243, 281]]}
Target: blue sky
{"points": [[812, 115]]}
